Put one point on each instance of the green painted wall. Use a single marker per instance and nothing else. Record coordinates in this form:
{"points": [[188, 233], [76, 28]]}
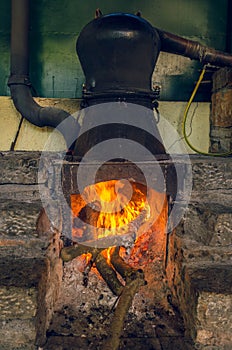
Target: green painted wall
{"points": [[55, 24]]}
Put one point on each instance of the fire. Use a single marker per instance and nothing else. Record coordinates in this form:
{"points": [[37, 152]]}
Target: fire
{"points": [[117, 208], [109, 208], [87, 257], [130, 211], [107, 254]]}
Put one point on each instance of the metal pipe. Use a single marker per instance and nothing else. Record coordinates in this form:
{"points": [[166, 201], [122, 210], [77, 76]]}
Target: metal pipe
{"points": [[180, 46], [229, 27], [19, 82]]}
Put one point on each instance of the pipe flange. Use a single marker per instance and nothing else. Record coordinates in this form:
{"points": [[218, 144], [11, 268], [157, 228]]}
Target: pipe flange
{"points": [[19, 80]]}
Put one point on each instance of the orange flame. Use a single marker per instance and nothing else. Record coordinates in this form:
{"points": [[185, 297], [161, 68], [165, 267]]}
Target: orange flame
{"points": [[107, 254], [111, 205], [117, 208]]}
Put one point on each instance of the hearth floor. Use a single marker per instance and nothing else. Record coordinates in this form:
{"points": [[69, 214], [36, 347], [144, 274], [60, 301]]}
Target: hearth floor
{"points": [[83, 315], [89, 341]]}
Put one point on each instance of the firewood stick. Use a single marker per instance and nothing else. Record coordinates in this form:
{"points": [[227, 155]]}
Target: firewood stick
{"points": [[70, 253], [108, 274], [119, 264], [125, 301]]}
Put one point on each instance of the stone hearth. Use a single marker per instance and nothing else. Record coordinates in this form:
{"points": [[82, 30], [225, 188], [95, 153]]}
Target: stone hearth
{"points": [[33, 282]]}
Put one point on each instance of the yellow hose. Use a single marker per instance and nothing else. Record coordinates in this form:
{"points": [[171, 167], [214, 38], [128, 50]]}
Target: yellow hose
{"points": [[185, 120]]}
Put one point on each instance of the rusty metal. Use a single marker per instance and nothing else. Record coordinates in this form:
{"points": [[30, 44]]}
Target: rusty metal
{"points": [[175, 44]]}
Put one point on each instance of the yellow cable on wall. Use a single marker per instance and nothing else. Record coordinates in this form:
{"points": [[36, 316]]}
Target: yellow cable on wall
{"points": [[225, 154]]}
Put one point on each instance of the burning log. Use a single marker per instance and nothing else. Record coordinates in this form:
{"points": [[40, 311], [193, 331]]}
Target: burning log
{"points": [[70, 253], [105, 270], [119, 264], [109, 275]]}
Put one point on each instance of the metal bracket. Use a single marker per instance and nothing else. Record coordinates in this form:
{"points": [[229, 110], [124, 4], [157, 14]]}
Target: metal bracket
{"points": [[19, 80]]}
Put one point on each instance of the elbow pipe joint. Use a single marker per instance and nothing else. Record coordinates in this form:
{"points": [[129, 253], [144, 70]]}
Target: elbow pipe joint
{"points": [[40, 116]]}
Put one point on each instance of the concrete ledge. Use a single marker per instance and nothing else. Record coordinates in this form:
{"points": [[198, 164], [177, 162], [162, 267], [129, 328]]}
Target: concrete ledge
{"points": [[32, 138]]}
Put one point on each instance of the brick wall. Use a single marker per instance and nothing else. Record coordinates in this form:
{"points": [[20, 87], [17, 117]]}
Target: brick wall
{"points": [[221, 111]]}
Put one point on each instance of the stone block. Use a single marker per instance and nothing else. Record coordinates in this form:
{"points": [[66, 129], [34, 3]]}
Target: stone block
{"points": [[198, 224], [221, 145], [17, 334], [26, 193], [217, 201], [214, 321], [19, 167], [223, 231], [211, 174], [17, 302], [22, 260], [18, 307], [207, 225], [218, 132], [210, 277], [18, 218], [193, 252], [222, 78]]}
